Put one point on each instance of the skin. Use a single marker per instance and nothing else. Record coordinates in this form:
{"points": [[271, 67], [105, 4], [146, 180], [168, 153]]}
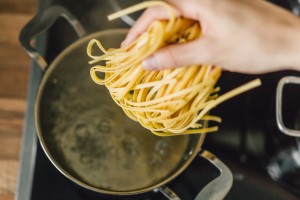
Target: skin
{"points": [[245, 36]]}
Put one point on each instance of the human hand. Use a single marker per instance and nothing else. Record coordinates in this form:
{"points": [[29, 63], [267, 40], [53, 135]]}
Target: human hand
{"points": [[246, 36]]}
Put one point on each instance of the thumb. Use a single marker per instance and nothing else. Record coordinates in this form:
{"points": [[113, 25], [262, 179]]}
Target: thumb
{"points": [[178, 55]]}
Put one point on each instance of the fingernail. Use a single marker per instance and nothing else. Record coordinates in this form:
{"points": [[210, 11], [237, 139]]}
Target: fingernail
{"points": [[149, 64], [123, 43]]}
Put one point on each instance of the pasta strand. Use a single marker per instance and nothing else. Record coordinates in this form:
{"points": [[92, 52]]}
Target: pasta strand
{"points": [[168, 102]]}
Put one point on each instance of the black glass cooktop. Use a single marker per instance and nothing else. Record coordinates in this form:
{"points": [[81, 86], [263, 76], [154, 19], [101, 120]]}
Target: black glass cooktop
{"points": [[243, 143], [250, 181]]}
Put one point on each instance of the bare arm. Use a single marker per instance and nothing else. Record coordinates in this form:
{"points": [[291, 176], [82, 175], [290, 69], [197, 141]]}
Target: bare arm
{"points": [[246, 36]]}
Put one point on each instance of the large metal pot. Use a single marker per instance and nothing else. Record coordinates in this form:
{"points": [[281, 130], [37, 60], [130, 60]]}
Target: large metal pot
{"points": [[90, 140], [284, 165]]}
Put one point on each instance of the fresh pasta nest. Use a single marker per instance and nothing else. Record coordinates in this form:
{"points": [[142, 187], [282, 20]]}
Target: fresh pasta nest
{"points": [[167, 102]]}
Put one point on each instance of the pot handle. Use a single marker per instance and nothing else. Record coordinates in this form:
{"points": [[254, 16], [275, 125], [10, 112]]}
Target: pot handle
{"points": [[279, 91], [217, 189], [168, 193], [295, 6], [42, 22]]}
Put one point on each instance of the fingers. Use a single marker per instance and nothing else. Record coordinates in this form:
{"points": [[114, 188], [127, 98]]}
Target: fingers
{"points": [[179, 55], [189, 10], [142, 24]]}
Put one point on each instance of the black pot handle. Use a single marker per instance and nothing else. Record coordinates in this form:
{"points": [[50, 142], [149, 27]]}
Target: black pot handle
{"points": [[295, 6], [42, 22], [216, 189]]}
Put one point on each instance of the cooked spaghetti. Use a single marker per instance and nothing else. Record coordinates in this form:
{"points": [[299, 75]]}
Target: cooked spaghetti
{"points": [[167, 102]]}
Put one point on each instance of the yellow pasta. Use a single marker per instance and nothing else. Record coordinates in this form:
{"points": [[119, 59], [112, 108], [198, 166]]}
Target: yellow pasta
{"points": [[167, 102]]}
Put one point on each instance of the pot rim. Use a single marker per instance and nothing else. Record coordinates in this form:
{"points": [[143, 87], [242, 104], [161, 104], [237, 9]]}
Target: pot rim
{"points": [[192, 154]]}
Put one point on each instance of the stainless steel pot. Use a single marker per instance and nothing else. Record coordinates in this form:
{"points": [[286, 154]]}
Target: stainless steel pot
{"points": [[90, 140], [284, 166]]}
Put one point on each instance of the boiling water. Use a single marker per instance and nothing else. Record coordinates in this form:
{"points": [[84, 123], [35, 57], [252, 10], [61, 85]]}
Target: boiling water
{"points": [[107, 150], [97, 142]]}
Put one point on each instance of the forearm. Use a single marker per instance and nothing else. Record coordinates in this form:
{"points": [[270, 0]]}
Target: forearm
{"points": [[295, 39]]}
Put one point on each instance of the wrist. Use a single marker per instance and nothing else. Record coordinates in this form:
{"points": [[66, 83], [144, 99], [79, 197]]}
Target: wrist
{"points": [[294, 60]]}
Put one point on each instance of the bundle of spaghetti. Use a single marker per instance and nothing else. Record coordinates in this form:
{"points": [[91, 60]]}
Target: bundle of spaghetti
{"points": [[167, 102]]}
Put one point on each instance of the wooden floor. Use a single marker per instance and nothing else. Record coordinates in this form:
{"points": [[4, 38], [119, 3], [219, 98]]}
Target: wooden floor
{"points": [[14, 70]]}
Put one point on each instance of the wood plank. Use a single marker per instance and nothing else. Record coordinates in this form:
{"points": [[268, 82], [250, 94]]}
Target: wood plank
{"points": [[7, 196], [18, 6], [8, 174], [14, 70], [13, 82], [11, 126], [13, 55], [12, 105], [11, 116], [11, 52], [12, 23], [14, 61], [10, 147]]}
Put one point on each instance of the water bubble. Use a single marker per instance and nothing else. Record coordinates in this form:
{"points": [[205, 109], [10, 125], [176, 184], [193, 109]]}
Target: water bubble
{"points": [[162, 147], [82, 135], [81, 131], [104, 126], [85, 159], [130, 146]]}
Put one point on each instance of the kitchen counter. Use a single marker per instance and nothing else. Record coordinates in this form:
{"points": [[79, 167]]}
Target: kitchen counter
{"points": [[14, 71]]}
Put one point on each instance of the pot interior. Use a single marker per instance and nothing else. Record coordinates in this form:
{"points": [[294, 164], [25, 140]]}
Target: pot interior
{"points": [[89, 138]]}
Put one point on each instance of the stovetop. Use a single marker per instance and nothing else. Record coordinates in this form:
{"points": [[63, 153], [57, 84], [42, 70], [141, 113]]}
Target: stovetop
{"points": [[247, 141]]}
